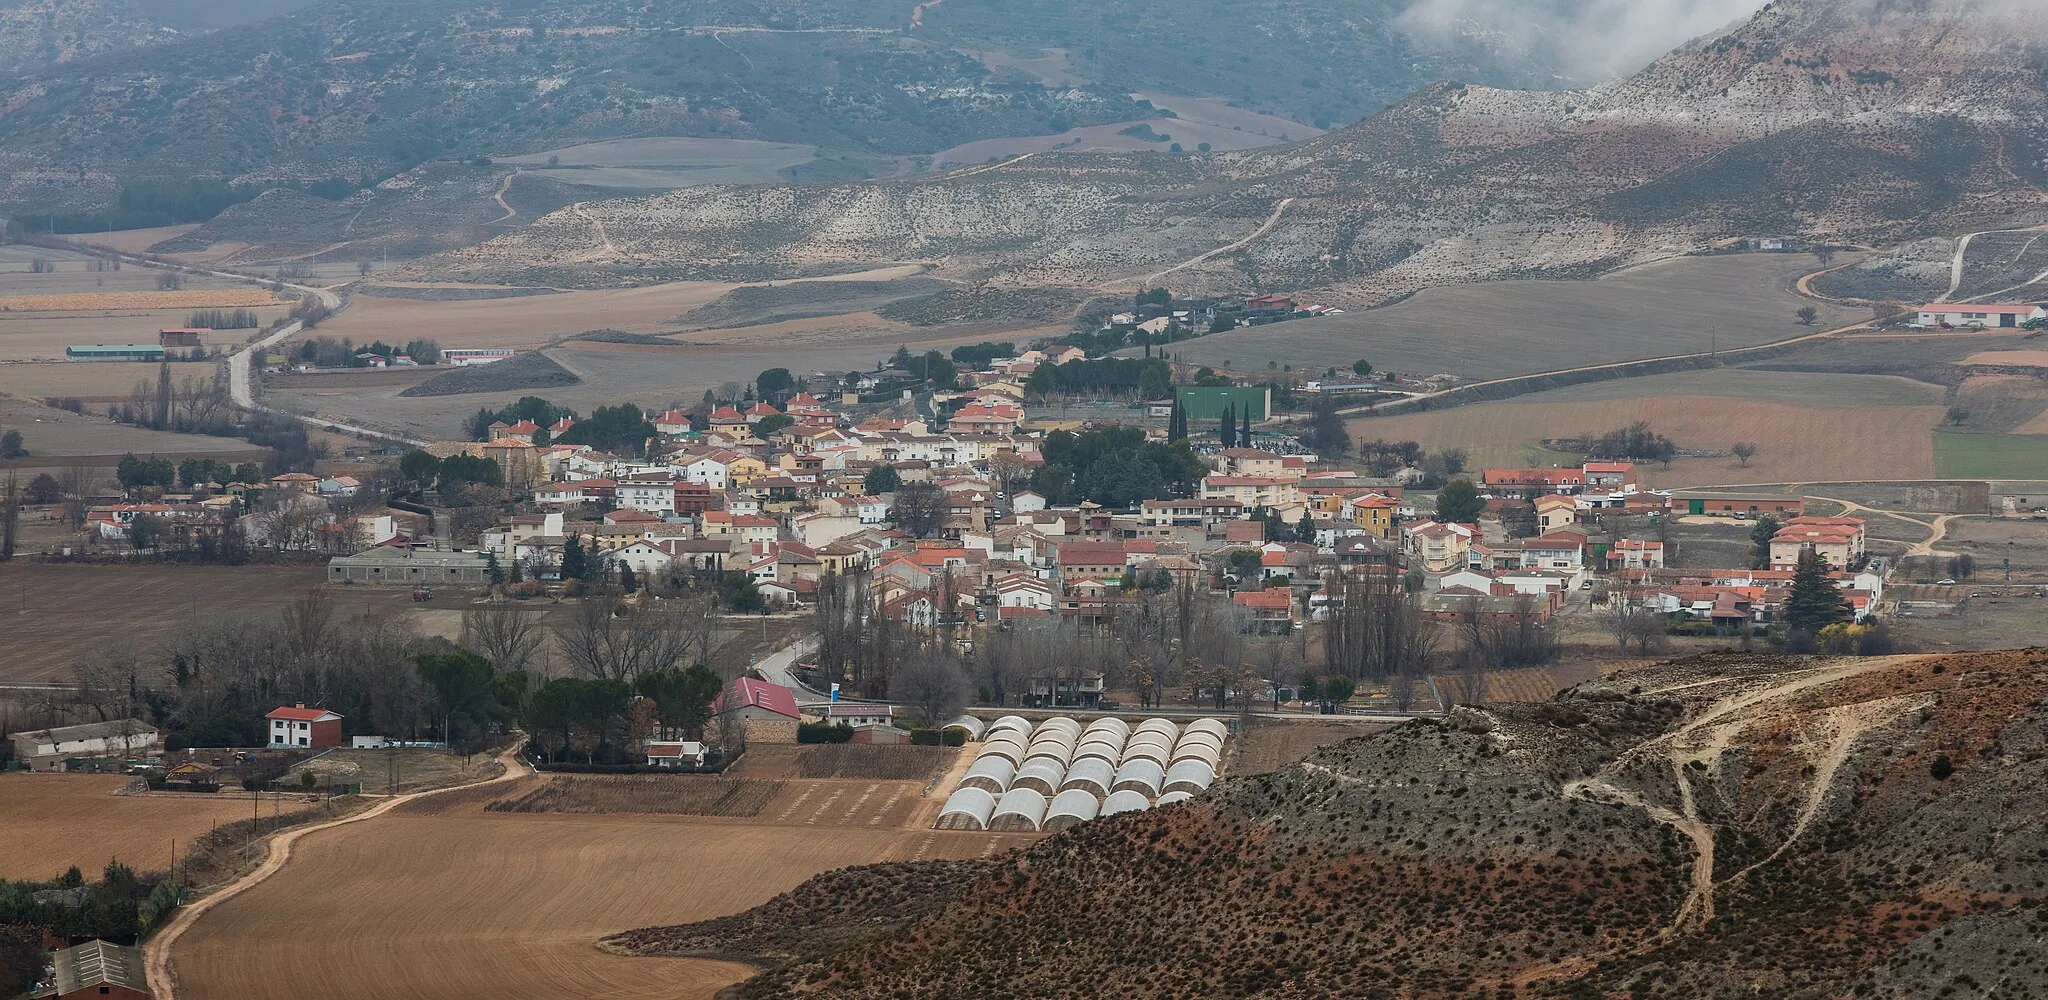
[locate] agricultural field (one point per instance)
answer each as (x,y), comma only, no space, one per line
(873,763)
(1188,134)
(56,613)
(662,164)
(1989,622)
(1808,427)
(1990,456)
(41,313)
(530,320)
(661,794)
(58,440)
(1266,747)
(399,770)
(55,821)
(1683,306)
(446,895)
(1994,542)
(652,376)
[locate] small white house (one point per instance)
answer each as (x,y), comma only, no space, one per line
(1980,314)
(859,715)
(674,754)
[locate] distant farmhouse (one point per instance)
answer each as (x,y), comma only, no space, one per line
(1980,314)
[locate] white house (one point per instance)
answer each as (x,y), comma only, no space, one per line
(1027,502)
(674,754)
(1024,592)
(859,715)
(652,497)
(707,471)
(1980,314)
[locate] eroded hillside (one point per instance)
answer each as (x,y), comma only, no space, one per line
(1849,120)
(1727,826)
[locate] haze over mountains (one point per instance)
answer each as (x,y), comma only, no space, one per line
(1848,120)
(117,90)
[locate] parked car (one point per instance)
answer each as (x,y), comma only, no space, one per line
(1944,583)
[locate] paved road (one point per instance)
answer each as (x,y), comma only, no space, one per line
(780,667)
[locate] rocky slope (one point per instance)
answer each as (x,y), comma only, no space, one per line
(1729,826)
(40,33)
(1851,120)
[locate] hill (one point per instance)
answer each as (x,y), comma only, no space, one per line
(1836,120)
(1731,826)
(366,89)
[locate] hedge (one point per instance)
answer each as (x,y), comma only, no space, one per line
(819,732)
(939,737)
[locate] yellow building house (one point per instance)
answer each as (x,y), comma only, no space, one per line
(745,469)
(1554,512)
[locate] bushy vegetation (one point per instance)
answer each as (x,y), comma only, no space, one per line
(1115,465)
(1147,378)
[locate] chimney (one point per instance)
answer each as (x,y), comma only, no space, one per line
(301,705)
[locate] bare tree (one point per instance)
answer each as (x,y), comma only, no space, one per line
(1744,450)
(1518,638)
(921,508)
(80,481)
(933,684)
(10,515)
(1630,619)
(609,638)
(506,634)
(1376,629)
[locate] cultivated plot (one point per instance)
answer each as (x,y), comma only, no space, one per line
(1684,306)
(56,614)
(659,164)
(54,821)
(462,904)
(1807,427)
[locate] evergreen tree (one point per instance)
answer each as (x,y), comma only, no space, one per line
(1815,602)
(572,558)
(518,575)
(1177,423)
(497,573)
(1244,437)
(1760,536)
(882,479)
(627,582)
(1227,430)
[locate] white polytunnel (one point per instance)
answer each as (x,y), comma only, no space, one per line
(1056,738)
(1010,749)
(1040,775)
(1092,775)
(1202,736)
(1100,749)
(1063,723)
(1015,722)
(1108,724)
(1147,751)
(990,774)
(1052,753)
(970,725)
(1123,802)
(1172,797)
(1145,776)
(1189,776)
(967,809)
(1211,726)
(1166,726)
(1197,751)
(1021,810)
(1070,808)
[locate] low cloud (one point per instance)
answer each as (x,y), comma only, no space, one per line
(1586,39)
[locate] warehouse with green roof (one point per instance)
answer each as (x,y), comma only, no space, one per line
(115,352)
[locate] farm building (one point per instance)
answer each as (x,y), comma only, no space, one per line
(857,716)
(463,357)
(300,726)
(183,336)
(674,754)
(406,567)
(1730,504)
(767,710)
(96,969)
(43,748)
(1980,314)
(114,352)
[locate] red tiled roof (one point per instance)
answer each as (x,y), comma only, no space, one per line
(300,714)
(750,693)
(1274,599)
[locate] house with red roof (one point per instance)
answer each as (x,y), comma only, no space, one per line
(726,420)
(1524,484)
(300,726)
(1267,611)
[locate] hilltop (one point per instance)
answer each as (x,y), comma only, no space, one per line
(1838,120)
(1728,826)
(115,90)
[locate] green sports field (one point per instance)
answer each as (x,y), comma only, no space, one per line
(1990,456)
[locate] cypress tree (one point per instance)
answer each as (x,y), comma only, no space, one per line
(1176,423)
(1815,602)
(1227,431)
(572,558)
(1244,438)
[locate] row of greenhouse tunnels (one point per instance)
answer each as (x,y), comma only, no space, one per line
(1057,774)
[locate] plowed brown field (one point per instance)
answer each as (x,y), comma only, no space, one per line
(439,899)
(54,821)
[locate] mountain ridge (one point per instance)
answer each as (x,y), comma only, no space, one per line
(1745,132)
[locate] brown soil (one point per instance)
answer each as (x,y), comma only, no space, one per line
(55,821)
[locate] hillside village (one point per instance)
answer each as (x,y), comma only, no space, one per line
(974,515)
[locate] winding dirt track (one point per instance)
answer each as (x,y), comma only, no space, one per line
(1701,741)
(156,953)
